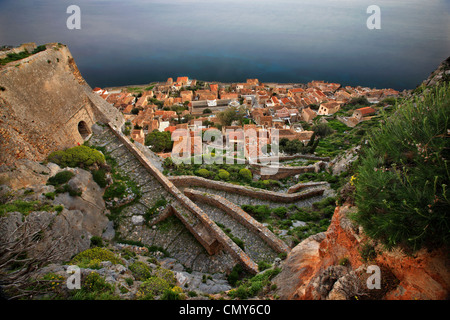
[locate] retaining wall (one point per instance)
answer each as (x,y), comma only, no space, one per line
(300,186)
(241,216)
(282,172)
(187,181)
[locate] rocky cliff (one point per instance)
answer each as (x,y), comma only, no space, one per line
(334,266)
(46,105)
(343,262)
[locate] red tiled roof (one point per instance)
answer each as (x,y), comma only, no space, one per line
(171,129)
(366,110)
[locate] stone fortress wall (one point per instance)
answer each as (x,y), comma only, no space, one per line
(45,105)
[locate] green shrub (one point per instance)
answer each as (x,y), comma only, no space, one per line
(203,173)
(167,275)
(50,195)
(60,178)
(245,174)
(99,176)
(280,212)
(10,57)
(401,184)
(152,287)
(174,293)
(235,274)
(26,207)
(116,190)
(39,49)
(97,253)
(262,265)
(140,270)
(80,156)
(96,241)
(259,212)
(265,184)
(255,285)
(94,287)
(67,188)
(223,174)
(367,252)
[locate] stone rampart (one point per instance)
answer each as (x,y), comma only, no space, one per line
(45,105)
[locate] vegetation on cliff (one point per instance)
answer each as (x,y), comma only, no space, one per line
(10,57)
(80,156)
(402,190)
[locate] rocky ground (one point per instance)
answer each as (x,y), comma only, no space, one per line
(127,282)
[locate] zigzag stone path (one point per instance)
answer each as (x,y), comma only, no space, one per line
(170,234)
(186,230)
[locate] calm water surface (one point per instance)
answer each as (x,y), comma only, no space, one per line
(137,42)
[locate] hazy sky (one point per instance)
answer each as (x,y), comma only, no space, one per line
(134,42)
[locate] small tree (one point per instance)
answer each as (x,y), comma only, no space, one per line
(321,130)
(231,114)
(159,141)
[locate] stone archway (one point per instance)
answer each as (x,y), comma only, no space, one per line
(84,130)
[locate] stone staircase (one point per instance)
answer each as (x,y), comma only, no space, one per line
(173,237)
(186,230)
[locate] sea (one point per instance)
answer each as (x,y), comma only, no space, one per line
(374,43)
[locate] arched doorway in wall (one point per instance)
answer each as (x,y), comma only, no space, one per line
(83,129)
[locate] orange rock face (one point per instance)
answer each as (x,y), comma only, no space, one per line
(423,276)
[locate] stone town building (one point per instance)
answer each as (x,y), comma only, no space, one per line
(308,114)
(360,113)
(328,108)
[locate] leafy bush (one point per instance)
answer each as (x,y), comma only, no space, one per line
(80,156)
(245,174)
(152,287)
(167,275)
(97,253)
(280,211)
(254,285)
(99,176)
(60,178)
(140,270)
(401,184)
(292,147)
(203,173)
(262,265)
(96,241)
(172,294)
(259,212)
(223,174)
(50,195)
(95,288)
(116,190)
(235,274)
